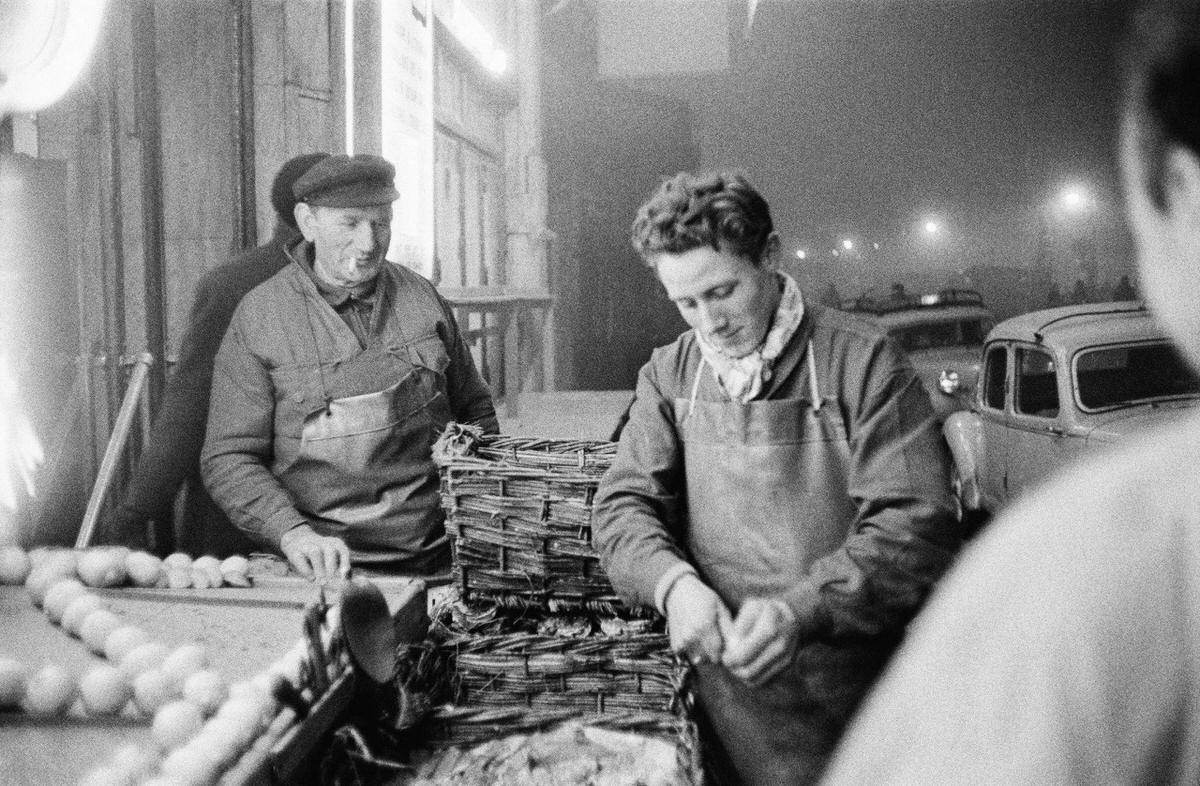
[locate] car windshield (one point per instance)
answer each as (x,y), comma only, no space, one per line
(933,335)
(1137,373)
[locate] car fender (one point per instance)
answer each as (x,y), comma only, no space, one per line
(964,436)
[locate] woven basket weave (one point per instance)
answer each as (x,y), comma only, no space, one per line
(487,672)
(519,515)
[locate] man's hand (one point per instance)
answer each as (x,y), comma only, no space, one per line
(762,640)
(315,556)
(696,618)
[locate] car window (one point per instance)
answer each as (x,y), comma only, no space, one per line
(933,335)
(1113,376)
(993,377)
(973,331)
(1036,383)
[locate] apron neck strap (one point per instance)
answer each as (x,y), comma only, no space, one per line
(695,389)
(814,389)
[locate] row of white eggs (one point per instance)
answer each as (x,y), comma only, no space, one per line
(200,723)
(114,566)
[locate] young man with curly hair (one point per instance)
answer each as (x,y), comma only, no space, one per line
(781,490)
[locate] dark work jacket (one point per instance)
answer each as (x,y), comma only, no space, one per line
(853,581)
(286,354)
(172,456)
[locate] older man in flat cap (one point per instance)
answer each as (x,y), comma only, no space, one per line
(334,379)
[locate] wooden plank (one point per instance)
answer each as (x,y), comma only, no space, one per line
(306,43)
(299,749)
(254,767)
(310,120)
(288,753)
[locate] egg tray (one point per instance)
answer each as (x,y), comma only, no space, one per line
(240,641)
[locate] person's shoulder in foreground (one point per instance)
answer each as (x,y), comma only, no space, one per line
(1065,648)
(1060,650)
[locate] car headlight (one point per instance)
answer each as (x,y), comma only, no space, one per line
(948,382)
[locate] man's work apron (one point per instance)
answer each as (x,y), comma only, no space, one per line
(364,471)
(766,497)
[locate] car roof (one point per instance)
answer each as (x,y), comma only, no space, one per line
(919,316)
(1082,325)
(874,302)
(890,311)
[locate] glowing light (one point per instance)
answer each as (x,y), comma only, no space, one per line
(20,449)
(1075,198)
(497,62)
(848,244)
(468,29)
(932,227)
(49,45)
(801,253)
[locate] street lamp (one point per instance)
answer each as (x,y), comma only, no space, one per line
(1075,199)
(1065,245)
(929,241)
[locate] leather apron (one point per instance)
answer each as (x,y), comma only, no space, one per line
(364,471)
(766,497)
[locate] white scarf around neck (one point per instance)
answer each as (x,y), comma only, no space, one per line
(743,378)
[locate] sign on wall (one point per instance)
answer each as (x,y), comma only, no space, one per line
(407,128)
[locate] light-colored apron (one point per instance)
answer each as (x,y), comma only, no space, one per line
(767,496)
(364,471)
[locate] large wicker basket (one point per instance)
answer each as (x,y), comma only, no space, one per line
(519,513)
(494,673)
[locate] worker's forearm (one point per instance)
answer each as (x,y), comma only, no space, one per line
(250,495)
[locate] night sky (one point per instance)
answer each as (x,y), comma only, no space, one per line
(860,119)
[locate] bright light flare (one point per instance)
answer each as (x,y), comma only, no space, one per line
(848,244)
(474,35)
(497,62)
(1075,198)
(21,451)
(47,45)
(932,227)
(801,254)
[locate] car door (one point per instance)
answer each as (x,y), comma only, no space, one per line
(992,405)
(1039,442)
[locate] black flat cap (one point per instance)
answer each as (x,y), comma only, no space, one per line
(348,181)
(282,197)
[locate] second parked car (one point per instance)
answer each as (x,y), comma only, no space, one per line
(941,332)
(1057,383)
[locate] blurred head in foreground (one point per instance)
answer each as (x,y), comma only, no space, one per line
(1160,160)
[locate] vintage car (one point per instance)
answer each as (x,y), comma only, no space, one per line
(942,332)
(1055,384)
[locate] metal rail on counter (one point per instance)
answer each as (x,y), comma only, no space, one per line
(134,393)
